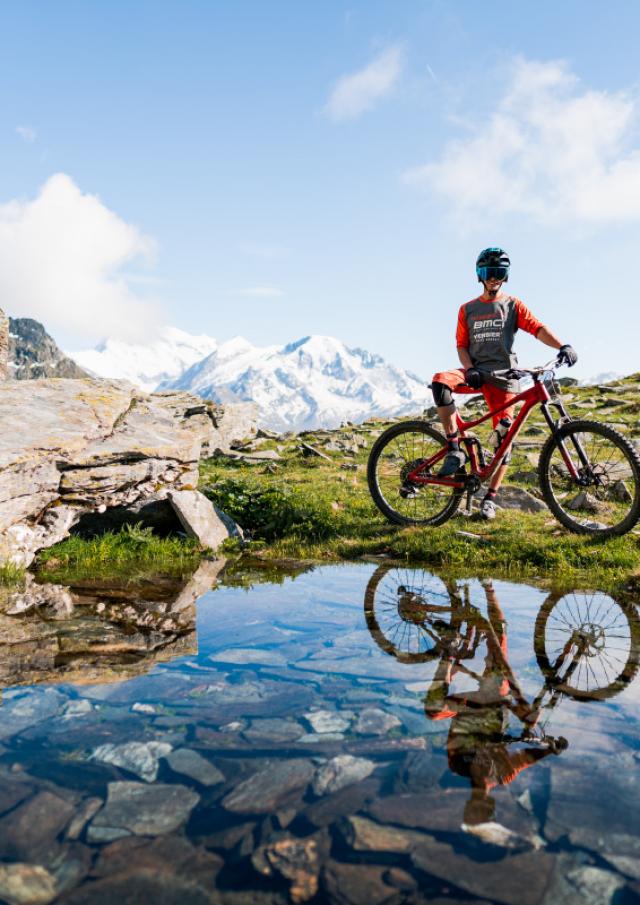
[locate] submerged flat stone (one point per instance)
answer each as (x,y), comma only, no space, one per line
(27,884)
(30,831)
(520,879)
(142,810)
(263,792)
(328,721)
(374,721)
(141,758)
(189,763)
(138,886)
(366,835)
(341,771)
(274,731)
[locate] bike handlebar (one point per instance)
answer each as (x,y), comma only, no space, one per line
(517,373)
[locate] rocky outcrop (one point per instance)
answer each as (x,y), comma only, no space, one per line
(34,354)
(75,448)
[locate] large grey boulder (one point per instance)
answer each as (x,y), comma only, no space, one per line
(201,519)
(74,447)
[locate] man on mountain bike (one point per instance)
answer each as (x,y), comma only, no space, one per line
(484,338)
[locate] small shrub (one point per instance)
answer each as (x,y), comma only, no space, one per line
(274,510)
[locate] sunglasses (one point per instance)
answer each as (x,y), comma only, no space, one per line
(493,273)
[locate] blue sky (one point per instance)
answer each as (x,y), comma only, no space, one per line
(275,169)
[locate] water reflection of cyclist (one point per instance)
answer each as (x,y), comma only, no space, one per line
(479,746)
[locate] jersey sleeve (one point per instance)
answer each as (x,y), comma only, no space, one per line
(462,330)
(526,320)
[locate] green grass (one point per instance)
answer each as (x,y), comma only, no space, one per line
(313,509)
(130,552)
(11,575)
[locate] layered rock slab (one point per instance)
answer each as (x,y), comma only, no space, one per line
(73,447)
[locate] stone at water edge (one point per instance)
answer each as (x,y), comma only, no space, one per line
(202,520)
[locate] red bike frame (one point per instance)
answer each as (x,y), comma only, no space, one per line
(535,395)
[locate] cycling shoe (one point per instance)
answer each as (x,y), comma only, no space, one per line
(453,462)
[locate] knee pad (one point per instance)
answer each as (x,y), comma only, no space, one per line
(442,395)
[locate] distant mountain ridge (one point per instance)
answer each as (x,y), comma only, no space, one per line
(315,381)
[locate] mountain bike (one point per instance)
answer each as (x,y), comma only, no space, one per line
(589,473)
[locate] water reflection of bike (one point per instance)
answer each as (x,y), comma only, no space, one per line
(586,643)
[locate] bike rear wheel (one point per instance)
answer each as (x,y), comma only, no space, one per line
(604,500)
(396,453)
(410,612)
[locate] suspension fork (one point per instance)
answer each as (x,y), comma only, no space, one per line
(584,460)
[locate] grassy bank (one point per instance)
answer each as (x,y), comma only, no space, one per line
(319,508)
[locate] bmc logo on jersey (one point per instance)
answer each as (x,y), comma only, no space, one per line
(483,323)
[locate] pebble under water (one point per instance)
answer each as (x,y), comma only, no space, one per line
(354,734)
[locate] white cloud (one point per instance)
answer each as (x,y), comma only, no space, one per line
(61,256)
(26,133)
(358,92)
(551,149)
(262,292)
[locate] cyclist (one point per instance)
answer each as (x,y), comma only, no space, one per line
(484,338)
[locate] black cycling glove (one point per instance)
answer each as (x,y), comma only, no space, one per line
(474,378)
(568,354)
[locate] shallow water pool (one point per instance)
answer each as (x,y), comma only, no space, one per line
(349,734)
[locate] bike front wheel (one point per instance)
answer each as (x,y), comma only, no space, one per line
(602,496)
(587,644)
(395,454)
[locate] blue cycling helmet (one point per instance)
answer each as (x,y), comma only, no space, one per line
(493,263)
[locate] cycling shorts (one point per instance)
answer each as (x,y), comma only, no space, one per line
(493,396)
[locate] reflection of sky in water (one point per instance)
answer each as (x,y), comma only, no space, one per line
(270,655)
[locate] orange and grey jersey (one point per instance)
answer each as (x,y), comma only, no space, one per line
(487,330)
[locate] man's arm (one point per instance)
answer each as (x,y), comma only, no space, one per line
(465,358)
(548,338)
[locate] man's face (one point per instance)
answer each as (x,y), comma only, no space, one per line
(492,285)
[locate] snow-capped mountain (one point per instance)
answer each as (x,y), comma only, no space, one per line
(147,365)
(314,382)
